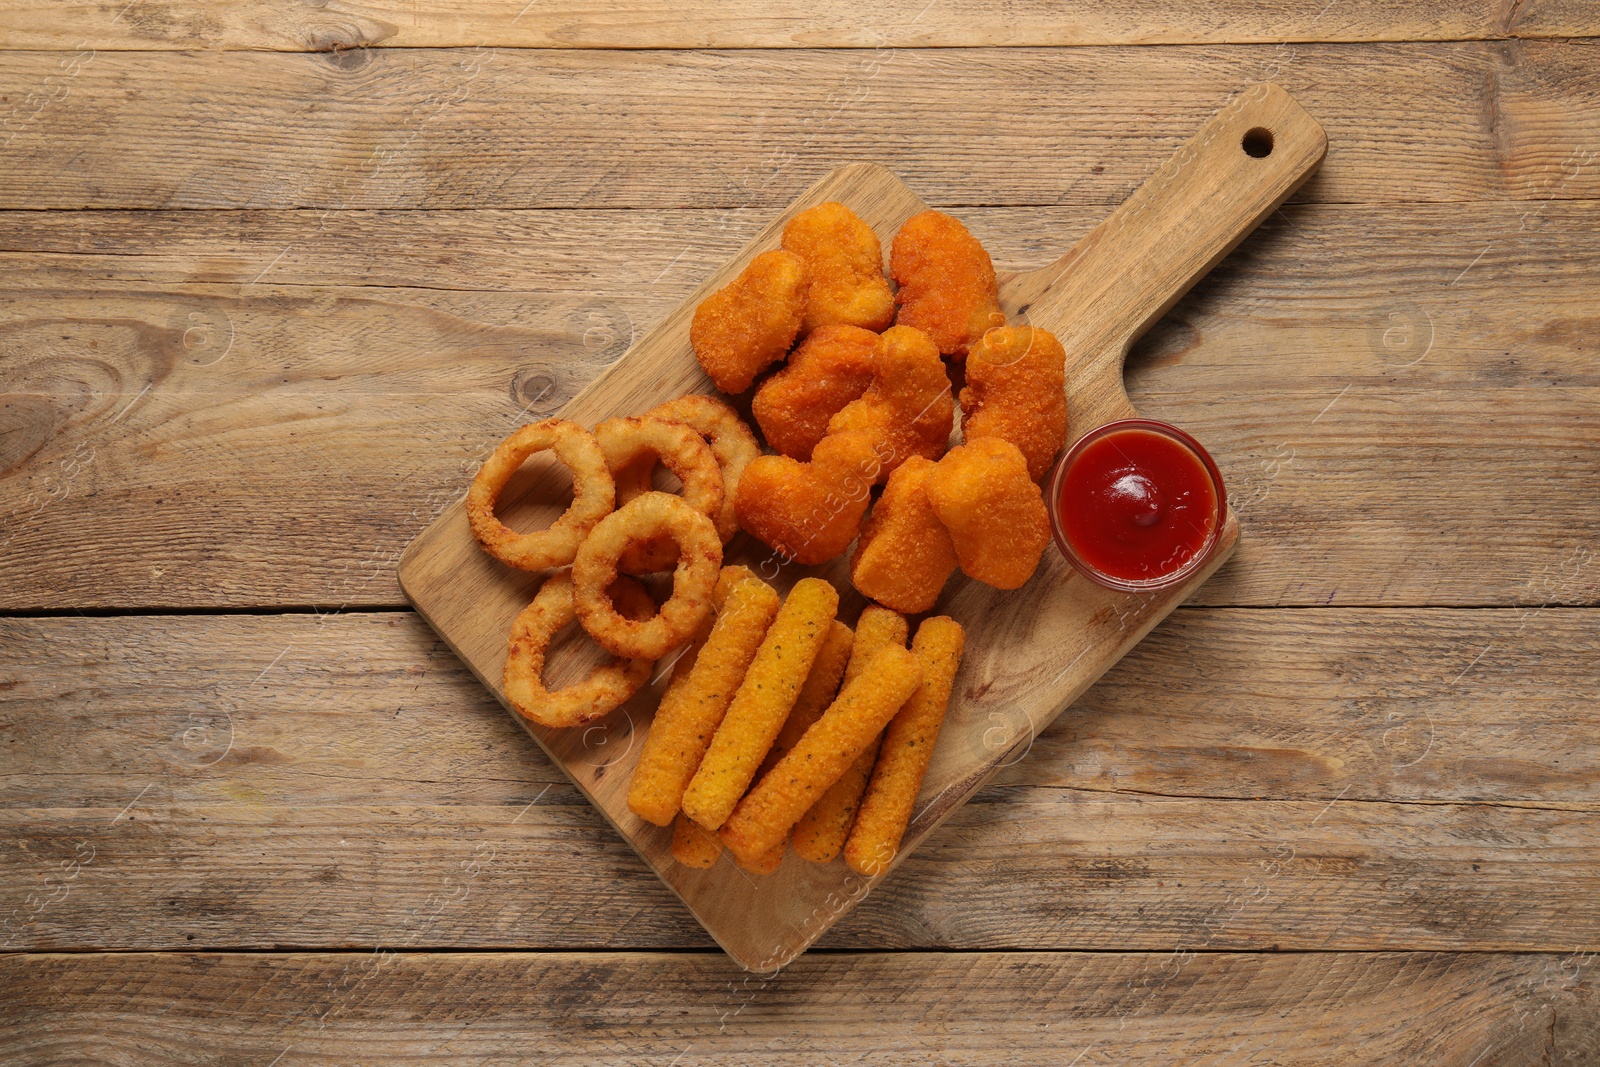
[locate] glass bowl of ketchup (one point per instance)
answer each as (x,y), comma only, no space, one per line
(1137,505)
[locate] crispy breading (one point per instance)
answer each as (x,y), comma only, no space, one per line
(1016,390)
(904,555)
(909,404)
(694,706)
(692,844)
(994,512)
(810,512)
(765,695)
(947,283)
(845,263)
(832,367)
(850,724)
(821,686)
(907,746)
(821,831)
(749,324)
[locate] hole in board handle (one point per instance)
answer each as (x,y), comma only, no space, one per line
(1257,142)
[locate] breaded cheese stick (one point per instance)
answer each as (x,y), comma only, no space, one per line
(907,746)
(849,725)
(821,686)
(762,702)
(822,831)
(693,846)
(691,710)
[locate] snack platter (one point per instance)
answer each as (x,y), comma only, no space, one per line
(1029,652)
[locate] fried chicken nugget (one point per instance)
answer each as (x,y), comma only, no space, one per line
(947,283)
(845,263)
(832,367)
(748,324)
(1017,390)
(810,512)
(909,405)
(994,512)
(904,556)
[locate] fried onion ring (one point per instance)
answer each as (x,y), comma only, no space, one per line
(732,442)
(594,496)
(595,568)
(605,688)
(632,447)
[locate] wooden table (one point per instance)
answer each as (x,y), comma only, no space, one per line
(277,276)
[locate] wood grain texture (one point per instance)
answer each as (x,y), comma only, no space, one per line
(235,24)
(485,128)
(1487,1010)
(1342,365)
(1337,779)
(1031,651)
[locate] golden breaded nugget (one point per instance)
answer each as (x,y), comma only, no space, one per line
(845,263)
(762,702)
(821,686)
(821,832)
(909,404)
(1016,390)
(994,512)
(692,845)
(748,324)
(832,367)
(907,747)
(691,711)
(859,715)
(904,555)
(810,512)
(947,283)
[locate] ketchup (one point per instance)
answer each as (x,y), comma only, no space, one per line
(1136,503)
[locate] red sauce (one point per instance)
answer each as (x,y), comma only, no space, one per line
(1137,505)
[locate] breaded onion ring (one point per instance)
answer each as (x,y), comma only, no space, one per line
(626,442)
(732,443)
(594,496)
(606,687)
(595,568)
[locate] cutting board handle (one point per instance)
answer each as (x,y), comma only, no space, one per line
(1122,277)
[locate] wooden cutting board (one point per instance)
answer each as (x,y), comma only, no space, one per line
(1030,652)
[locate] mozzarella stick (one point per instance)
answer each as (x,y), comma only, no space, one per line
(907,747)
(821,832)
(763,701)
(765,863)
(820,687)
(693,846)
(693,707)
(765,816)
(731,576)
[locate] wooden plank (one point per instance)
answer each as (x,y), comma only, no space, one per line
(232,24)
(1341,366)
(1342,779)
(520,128)
(975,1008)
